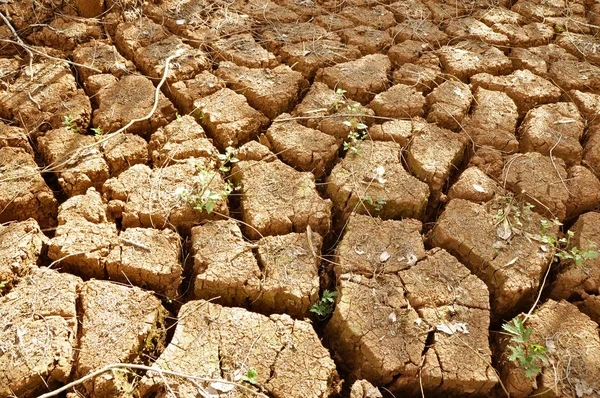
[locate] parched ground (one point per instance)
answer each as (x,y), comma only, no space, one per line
(300,198)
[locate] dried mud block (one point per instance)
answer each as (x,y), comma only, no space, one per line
(449,104)
(493,121)
(224,269)
(539,177)
(24,13)
(496,14)
(307,10)
(148,258)
(584,191)
(214,341)
(90,9)
(185,93)
(23,192)
(268,11)
(372,180)
(367,39)
(290,266)
(398,131)
(21,245)
(522,86)
(488,160)
(254,150)
(64,33)
(371,247)
(156,198)
(101,56)
(276,199)
(448,303)
(420,30)
(580,280)
(364,389)
(84,237)
(433,154)
(78,161)
(188,62)
(584,47)
(38,333)
(574,346)
(473,29)
(271,91)
(321,101)
(409,9)
(228,118)
(588,104)
(362,79)
(243,50)
(523,58)
(533,34)
(187,19)
(130,36)
(131,98)
(535,10)
(408,51)
(123,151)
(424,75)
(400,101)
(574,75)
(307,58)
(301,147)
(553,129)
(590,306)
(43,101)
(510,264)
(118,323)
(591,149)
(376,16)
(373,331)
(474,185)
(16,137)
(275,35)
(333,22)
(468,58)
(181,139)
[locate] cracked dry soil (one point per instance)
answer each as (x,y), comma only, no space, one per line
(402,153)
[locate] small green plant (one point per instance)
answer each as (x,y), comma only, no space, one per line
(324,306)
(97,131)
(530,356)
(69,123)
(177,115)
(377,204)
(203,198)
(2,286)
(340,99)
(563,248)
(358,130)
(251,376)
(227,159)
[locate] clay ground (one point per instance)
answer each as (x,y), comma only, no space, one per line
(184,183)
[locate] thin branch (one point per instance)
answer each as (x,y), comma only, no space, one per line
(19,41)
(161,372)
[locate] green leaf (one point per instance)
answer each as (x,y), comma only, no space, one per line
(590,254)
(515,353)
(361,126)
(251,376)
(526,334)
(209,206)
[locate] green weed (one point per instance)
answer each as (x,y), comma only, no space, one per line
(530,356)
(69,123)
(324,306)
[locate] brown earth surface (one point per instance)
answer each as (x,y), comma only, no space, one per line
(299,198)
